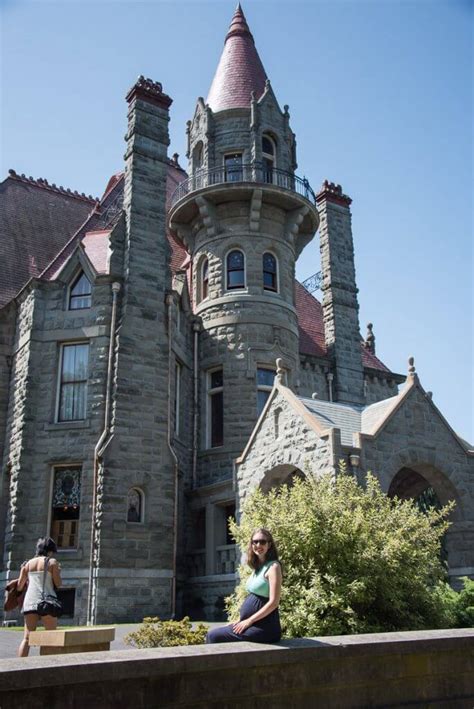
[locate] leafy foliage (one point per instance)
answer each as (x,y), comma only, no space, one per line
(353,560)
(459,606)
(167,633)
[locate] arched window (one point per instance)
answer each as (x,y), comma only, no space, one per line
(235,270)
(80,293)
(204,279)
(135,505)
(268,158)
(270,278)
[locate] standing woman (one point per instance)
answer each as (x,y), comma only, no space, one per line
(259,619)
(33,572)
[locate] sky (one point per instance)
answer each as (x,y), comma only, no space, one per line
(380,96)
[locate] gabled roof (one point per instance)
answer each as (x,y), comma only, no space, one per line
(37,219)
(240,70)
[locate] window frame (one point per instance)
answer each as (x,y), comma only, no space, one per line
(73,284)
(211,392)
(59,382)
(238,171)
(228,254)
(277,273)
(141,495)
(264,387)
(269,157)
(58,466)
(204,289)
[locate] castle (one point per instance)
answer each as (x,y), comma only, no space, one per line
(158,359)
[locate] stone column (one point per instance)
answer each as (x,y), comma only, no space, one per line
(210,539)
(340,306)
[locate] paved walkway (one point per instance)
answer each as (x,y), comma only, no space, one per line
(10,639)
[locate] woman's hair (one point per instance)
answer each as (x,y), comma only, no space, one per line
(272,553)
(44,545)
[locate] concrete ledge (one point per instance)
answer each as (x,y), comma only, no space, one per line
(431,668)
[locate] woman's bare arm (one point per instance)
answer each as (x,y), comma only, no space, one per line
(22,578)
(55,567)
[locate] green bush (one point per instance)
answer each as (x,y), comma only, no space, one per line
(460,605)
(167,633)
(354,560)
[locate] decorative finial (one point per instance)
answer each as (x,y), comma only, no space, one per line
(370,338)
(280,372)
(411,365)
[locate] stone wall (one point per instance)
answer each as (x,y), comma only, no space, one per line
(283,443)
(419,669)
(417,438)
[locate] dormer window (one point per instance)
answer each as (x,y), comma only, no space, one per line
(80,293)
(268,158)
(235,270)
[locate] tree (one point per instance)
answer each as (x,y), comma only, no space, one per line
(354,560)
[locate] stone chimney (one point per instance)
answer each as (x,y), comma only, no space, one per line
(340,306)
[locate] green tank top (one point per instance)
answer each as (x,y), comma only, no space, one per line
(257,582)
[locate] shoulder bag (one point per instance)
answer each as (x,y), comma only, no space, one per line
(49,605)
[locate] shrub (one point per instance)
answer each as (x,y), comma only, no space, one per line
(354,560)
(167,633)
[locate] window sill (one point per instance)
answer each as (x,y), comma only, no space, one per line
(72,553)
(60,425)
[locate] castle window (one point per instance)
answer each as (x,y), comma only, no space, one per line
(215,408)
(235,270)
(66,506)
(135,506)
(204,279)
(177,398)
(233,167)
(72,397)
(270,281)
(80,293)
(265,379)
(268,158)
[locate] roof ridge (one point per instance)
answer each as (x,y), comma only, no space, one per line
(44,184)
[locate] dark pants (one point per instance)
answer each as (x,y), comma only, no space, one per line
(266,630)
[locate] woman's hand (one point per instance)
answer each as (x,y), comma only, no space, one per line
(241,626)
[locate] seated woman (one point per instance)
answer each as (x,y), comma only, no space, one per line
(259,619)
(33,572)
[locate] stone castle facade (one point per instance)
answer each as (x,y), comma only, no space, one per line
(158,360)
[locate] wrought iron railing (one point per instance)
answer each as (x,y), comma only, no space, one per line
(253,172)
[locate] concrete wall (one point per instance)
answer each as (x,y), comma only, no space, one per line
(419,669)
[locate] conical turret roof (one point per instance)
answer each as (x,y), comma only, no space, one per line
(240,70)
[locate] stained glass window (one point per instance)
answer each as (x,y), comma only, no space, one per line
(66,506)
(235,270)
(269,272)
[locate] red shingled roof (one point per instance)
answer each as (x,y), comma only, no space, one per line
(36,220)
(240,70)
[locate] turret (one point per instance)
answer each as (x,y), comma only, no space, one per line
(245,217)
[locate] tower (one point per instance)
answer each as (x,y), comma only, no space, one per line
(244,216)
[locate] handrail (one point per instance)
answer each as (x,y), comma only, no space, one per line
(252,172)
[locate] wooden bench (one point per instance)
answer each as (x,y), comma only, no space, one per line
(60,642)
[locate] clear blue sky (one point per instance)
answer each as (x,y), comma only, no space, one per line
(380,97)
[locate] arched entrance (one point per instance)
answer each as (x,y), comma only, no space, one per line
(280,475)
(428,487)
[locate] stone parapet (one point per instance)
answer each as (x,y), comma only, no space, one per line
(425,668)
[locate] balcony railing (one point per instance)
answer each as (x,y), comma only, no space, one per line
(254,172)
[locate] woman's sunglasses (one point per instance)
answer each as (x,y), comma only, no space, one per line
(261,542)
